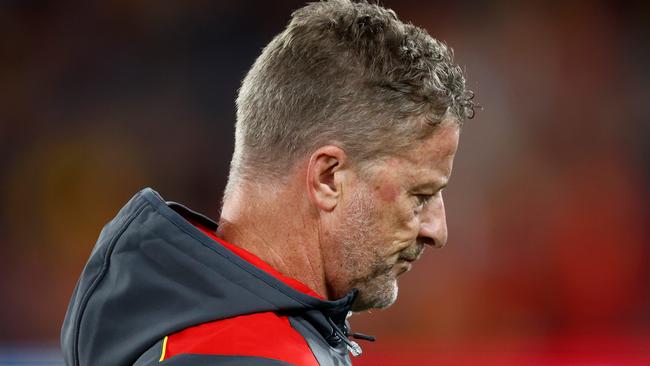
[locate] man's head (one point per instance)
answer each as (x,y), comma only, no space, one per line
(365,110)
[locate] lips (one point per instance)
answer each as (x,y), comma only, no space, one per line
(412,254)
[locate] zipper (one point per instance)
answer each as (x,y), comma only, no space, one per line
(351,345)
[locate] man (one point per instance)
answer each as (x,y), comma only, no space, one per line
(347,126)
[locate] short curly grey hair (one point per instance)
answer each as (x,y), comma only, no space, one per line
(344,73)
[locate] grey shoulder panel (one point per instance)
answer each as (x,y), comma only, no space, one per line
(325,354)
(92,275)
(151,356)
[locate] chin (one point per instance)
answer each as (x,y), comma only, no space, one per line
(377,294)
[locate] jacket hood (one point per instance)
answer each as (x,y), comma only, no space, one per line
(152,273)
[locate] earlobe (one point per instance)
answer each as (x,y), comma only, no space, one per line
(324,176)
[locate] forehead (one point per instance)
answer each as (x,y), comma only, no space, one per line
(433,155)
(441,144)
(426,166)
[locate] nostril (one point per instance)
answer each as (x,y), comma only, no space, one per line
(426,241)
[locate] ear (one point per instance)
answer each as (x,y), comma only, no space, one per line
(325,176)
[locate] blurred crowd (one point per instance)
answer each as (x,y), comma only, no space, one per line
(548,208)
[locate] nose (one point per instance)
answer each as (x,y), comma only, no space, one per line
(433,223)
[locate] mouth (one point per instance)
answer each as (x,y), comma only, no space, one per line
(411,255)
(408,256)
(403,266)
(408,259)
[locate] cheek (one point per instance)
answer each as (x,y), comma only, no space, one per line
(396,214)
(387,193)
(409,219)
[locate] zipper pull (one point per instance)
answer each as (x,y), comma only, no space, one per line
(364,337)
(354,348)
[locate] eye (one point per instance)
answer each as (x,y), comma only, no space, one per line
(422,199)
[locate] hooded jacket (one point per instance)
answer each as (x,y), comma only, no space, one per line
(154,274)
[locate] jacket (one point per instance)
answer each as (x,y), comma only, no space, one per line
(155,277)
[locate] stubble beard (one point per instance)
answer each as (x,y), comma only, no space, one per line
(363,265)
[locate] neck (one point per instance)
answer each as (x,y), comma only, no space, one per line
(252,218)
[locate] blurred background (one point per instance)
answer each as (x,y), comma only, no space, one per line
(548,211)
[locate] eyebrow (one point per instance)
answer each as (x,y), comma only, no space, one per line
(438,185)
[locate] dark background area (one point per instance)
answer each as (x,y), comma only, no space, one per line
(548,252)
